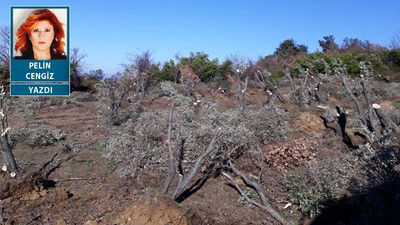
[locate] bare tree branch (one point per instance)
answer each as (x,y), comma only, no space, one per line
(289,77)
(369,119)
(342,78)
(187,178)
(300,89)
(269,85)
(171,162)
(265,204)
(241,94)
(320,98)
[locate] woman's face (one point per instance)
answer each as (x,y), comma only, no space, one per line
(42,35)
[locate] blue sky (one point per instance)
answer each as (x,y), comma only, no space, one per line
(108,30)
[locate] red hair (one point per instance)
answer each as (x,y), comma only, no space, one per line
(23,45)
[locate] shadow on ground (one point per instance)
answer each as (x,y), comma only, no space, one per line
(377,205)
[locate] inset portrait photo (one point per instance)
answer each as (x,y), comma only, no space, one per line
(40,33)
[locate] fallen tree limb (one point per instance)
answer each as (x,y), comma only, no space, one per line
(265,204)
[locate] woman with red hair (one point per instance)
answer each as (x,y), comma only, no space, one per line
(40,37)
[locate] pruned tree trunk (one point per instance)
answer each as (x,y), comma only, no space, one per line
(111,98)
(342,78)
(171,162)
(269,97)
(342,121)
(297,89)
(241,91)
(142,84)
(279,95)
(300,95)
(330,121)
(386,122)
(185,179)
(9,163)
(311,98)
(289,77)
(140,87)
(320,99)
(300,91)
(369,119)
(269,85)
(273,88)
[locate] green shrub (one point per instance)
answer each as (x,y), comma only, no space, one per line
(167,72)
(392,59)
(315,61)
(328,179)
(201,65)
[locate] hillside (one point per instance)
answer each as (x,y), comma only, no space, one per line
(81,163)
